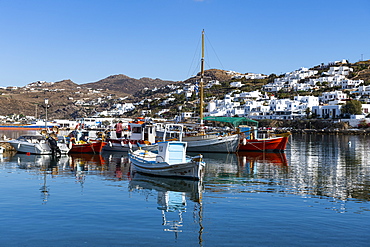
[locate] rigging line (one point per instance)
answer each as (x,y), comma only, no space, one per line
(194,57)
(222,66)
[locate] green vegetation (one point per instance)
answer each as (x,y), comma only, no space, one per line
(352,107)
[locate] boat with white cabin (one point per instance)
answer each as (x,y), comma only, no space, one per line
(170,161)
(40,144)
(139,134)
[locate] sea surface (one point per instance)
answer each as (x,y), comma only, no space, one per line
(317,193)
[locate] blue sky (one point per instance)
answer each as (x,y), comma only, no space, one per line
(89,40)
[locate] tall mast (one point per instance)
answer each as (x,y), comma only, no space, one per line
(201,82)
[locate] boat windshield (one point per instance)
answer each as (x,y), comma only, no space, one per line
(31,137)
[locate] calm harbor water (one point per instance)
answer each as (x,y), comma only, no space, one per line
(315,194)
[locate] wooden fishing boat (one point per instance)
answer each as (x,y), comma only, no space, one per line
(95,146)
(170,161)
(269,144)
(83,141)
(141,134)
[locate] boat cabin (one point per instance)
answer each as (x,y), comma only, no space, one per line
(141,130)
(172,152)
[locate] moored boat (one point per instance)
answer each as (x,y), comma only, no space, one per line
(83,141)
(209,142)
(95,146)
(271,143)
(40,144)
(140,134)
(212,143)
(170,161)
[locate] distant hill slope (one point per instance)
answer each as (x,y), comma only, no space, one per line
(65,84)
(212,74)
(124,84)
(362,71)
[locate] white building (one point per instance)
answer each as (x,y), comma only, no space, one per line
(342,70)
(330,96)
(236,84)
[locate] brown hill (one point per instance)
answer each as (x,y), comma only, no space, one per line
(212,74)
(65,84)
(362,71)
(124,84)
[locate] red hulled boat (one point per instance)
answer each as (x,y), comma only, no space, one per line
(271,144)
(83,141)
(87,147)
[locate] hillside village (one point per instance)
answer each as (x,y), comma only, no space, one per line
(263,104)
(319,92)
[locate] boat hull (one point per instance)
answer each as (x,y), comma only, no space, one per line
(90,147)
(191,170)
(42,147)
(117,145)
(212,143)
(277,144)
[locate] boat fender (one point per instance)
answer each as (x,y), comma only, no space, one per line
(122,144)
(110,144)
(244,141)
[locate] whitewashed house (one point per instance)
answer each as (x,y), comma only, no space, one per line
(327,111)
(236,84)
(212,83)
(330,96)
(350,84)
(341,70)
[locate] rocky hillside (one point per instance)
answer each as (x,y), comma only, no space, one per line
(70,100)
(212,74)
(127,85)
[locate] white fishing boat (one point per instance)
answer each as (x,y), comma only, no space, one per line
(215,141)
(209,142)
(140,134)
(170,161)
(40,144)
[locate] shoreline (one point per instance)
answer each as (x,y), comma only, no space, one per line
(332,131)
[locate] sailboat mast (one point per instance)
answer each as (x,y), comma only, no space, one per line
(201,82)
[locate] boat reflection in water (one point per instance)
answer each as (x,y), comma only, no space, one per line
(49,162)
(80,163)
(76,164)
(250,160)
(117,162)
(172,196)
(243,164)
(45,165)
